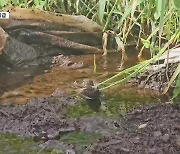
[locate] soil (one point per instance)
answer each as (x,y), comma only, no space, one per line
(41,118)
(153,129)
(45,119)
(147,130)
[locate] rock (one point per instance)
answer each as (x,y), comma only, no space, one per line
(33,36)
(70,152)
(142,126)
(152,151)
(135,140)
(178,141)
(171,56)
(66,63)
(157,133)
(125,150)
(165,137)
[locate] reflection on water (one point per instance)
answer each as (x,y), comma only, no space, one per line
(11,78)
(94,104)
(24,83)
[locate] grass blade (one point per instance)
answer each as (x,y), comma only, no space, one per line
(101,10)
(174,76)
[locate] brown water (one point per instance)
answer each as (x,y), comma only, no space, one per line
(11,78)
(20,85)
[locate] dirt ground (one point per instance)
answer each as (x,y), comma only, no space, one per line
(151,129)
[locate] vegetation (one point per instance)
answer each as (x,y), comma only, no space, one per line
(154,24)
(80,138)
(119,104)
(11,143)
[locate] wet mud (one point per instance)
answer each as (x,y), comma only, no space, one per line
(46,119)
(150,129)
(146,129)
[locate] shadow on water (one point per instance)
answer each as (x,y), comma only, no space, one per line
(94,104)
(114,103)
(13,77)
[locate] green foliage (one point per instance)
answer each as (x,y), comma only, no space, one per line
(80,138)
(122,16)
(146,43)
(101,9)
(176,4)
(132,71)
(3,3)
(176,91)
(10,143)
(174,76)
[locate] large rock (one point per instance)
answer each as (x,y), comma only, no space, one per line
(32,36)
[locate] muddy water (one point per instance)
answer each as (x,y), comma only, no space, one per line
(13,77)
(20,85)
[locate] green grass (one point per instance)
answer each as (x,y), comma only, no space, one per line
(120,103)
(12,144)
(80,138)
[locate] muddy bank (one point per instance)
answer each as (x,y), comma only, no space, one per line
(46,119)
(147,129)
(40,117)
(150,129)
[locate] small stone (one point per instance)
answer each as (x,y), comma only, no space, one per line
(170,102)
(147,119)
(125,149)
(137,111)
(177,128)
(70,151)
(165,137)
(157,133)
(135,140)
(178,141)
(27,75)
(142,126)
(152,150)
